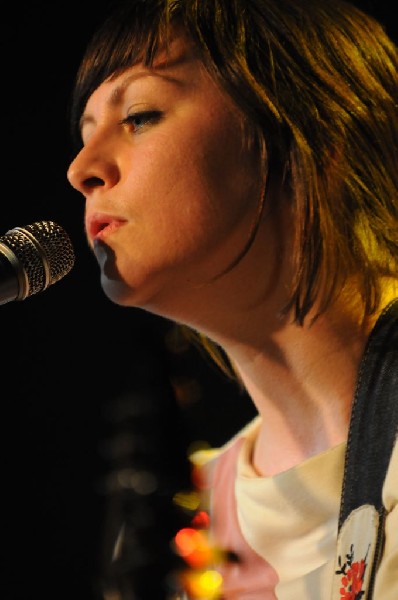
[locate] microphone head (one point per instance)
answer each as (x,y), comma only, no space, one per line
(41,253)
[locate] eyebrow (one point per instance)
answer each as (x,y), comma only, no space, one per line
(116,96)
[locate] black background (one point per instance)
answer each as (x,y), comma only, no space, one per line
(72,361)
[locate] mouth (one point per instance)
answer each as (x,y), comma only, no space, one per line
(99,226)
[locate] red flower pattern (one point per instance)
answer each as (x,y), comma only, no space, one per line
(352,577)
(352,581)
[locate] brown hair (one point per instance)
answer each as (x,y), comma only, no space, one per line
(318,84)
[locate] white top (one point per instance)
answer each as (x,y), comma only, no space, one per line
(289,520)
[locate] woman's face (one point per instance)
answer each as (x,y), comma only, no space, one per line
(171,189)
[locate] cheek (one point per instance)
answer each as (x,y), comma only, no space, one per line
(191,190)
(227,167)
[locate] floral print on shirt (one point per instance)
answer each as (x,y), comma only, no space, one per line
(352,576)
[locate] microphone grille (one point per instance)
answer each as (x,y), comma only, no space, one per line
(44,251)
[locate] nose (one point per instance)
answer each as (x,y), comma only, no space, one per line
(90,171)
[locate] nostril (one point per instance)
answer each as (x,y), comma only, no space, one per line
(93,182)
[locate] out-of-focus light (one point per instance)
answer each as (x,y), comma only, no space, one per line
(187,500)
(192,545)
(203,585)
(201,520)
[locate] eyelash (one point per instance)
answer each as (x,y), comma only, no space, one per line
(146,117)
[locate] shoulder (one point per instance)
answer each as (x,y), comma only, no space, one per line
(386,584)
(205,461)
(390,487)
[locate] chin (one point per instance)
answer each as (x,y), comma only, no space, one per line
(116,291)
(119,292)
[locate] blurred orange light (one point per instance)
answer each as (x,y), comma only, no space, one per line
(201,520)
(193,546)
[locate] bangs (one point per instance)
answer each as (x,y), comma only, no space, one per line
(131,35)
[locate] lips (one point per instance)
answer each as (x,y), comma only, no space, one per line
(99,226)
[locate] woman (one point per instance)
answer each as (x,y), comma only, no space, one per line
(239,163)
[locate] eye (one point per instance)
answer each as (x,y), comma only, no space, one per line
(138,120)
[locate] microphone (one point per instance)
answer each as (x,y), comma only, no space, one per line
(32,258)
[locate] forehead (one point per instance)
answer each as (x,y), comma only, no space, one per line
(176,63)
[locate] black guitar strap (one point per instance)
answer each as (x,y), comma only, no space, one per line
(373,426)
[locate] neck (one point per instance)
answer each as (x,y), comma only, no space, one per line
(302,380)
